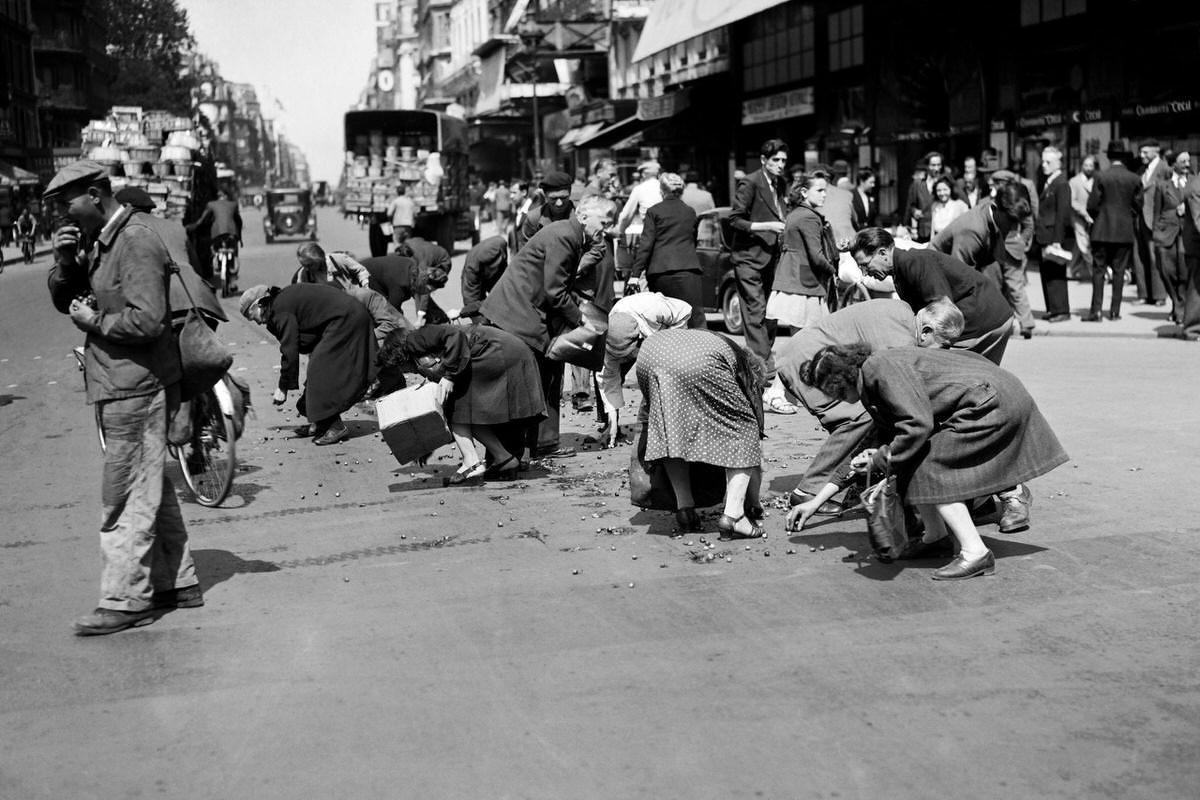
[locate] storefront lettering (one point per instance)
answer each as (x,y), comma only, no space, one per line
(1169,107)
(796,103)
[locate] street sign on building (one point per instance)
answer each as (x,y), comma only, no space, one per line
(796,103)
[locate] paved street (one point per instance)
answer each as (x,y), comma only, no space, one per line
(370,634)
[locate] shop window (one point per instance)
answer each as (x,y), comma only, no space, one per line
(846,38)
(779,46)
(1034,12)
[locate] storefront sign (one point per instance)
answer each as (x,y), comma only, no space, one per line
(652,108)
(1168,107)
(1088,115)
(1041,120)
(603,112)
(999,125)
(796,103)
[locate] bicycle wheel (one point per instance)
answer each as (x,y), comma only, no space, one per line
(209,460)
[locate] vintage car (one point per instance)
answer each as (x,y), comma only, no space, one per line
(289,212)
(713,239)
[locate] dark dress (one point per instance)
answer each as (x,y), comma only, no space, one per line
(495,375)
(700,408)
(336,332)
(961,427)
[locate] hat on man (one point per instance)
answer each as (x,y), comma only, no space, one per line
(556,182)
(81,173)
(1149,143)
(135,197)
(252,296)
(671,182)
(1003,175)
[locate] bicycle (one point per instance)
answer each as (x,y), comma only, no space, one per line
(209,459)
(27,247)
(225,267)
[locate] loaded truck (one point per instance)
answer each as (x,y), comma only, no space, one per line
(426,152)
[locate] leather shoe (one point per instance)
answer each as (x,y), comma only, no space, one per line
(1114,316)
(1026,333)
(110,620)
(1058,318)
(1014,514)
(830,508)
(960,568)
(557,452)
(918,548)
(1091,317)
(334,435)
(187,597)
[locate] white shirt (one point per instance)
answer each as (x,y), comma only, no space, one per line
(652,312)
(401,210)
(641,197)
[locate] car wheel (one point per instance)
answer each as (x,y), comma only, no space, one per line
(731,310)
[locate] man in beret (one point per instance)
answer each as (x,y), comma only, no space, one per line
(118,295)
(555,206)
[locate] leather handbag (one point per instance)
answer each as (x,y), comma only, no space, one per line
(886,527)
(650,488)
(202,356)
(582,346)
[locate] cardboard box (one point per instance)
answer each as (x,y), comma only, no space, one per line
(412,422)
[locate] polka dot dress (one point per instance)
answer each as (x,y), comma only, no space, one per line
(697,411)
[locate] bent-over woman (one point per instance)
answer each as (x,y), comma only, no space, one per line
(336,332)
(960,427)
(489,379)
(703,396)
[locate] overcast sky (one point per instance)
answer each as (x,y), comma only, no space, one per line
(313,56)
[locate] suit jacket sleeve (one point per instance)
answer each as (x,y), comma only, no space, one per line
(561,264)
(287,330)
(899,393)
(645,249)
(472,285)
(743,202)
(1064,225)
(1095,197)
(66,282)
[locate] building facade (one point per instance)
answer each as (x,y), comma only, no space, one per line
(19,130)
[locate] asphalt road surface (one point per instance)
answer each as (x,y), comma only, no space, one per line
(370,634)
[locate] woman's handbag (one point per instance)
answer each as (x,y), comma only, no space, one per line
(582,346)
(650,488)
(885,517)
(202,356)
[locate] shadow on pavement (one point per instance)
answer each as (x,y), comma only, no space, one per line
(876,570)
(7,399)
(217,566)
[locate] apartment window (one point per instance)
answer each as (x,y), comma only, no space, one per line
(1034,12)
(779,46)
(846,38)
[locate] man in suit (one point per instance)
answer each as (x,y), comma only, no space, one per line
(220,220)
(970,178)
(666,251)
(864,207)
(482,268)
(1147,273)
(1115,205)
(918,208)
(757,217)
(1081,187)
(1169,211)
(1054,229)
(1189,322)
(556,205)
(533,301)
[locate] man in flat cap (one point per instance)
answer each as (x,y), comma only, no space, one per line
(118,295)
(555,206)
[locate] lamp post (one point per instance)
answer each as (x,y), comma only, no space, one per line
(531,35)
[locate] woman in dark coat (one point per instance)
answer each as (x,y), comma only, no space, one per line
(666,251)
(960,428)
(487,379)
(335,331)
(703,396)
(808,260)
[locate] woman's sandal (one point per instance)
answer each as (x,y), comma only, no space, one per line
(688,520)
(474,471)
(727,526)
(505,470)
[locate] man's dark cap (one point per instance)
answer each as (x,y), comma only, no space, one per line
(556,181)
(78,174)
(135,197)
(1149,143)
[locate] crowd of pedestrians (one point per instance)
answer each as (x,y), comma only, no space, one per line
(903,372)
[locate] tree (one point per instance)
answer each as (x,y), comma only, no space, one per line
(148,40)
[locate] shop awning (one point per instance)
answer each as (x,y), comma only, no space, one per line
(572,137)
(11,174)
(674,21)
(613,134)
